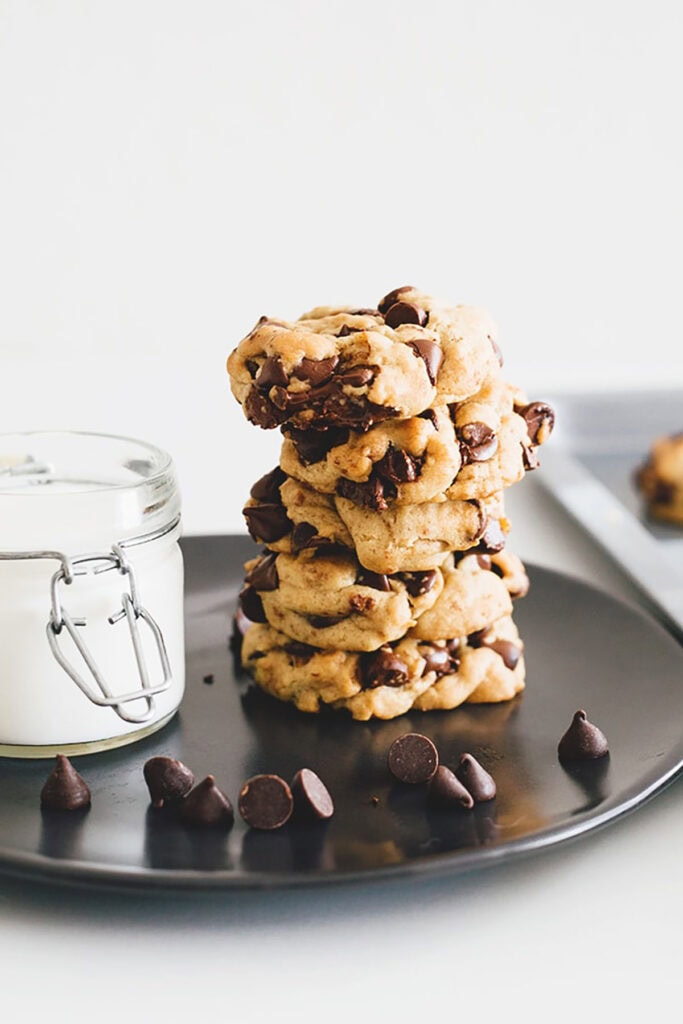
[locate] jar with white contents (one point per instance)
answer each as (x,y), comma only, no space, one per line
(91,593)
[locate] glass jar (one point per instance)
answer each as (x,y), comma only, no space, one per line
(91,592)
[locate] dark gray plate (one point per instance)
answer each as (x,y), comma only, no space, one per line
(583,648)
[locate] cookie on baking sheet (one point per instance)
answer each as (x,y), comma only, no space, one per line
(486,667)
(660,479)
(346,368)
(323,597)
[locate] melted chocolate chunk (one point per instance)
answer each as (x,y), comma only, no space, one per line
(316,371)
(492,538)
(266,802)
(478,442)
(439,659)
(418,583)
(261,411)
(64,789)
(509,652)
(357,376)
(431,353)
(267,522)
(446,790)
(392,297)
(299,651)
(253,367)
(267,488)
(368,495)
(405,313)
(376,580)
(313,445)
(311,796)
(168,780)
(207,806)
(412,758)
(345,330)
(530,459)
(582,741)
(480,785)
(430,415)
(304,536)
(325,621)
(540,420)
(397,466)
(477,638)
(264,574)
(272,374)
(382,668)
(251,604)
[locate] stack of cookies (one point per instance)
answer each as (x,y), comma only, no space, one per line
(385,583)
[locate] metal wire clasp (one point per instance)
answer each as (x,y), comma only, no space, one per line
(131,610)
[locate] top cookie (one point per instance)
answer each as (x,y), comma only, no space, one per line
(660,479)
(352,368)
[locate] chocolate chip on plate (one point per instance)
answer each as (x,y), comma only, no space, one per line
(582,741)
(446,790)
(265,802)
(207,805)
(479,784)
(311,796)
(64,789)
(412,758)
(167,780)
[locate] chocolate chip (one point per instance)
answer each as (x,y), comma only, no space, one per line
(357,376)
(361,604)
(383,668)
(540,420)
(438,659)
(496,348)
(315,371)
(252,367)
(398,467)
(266,802)
(582,741)
(299,651)
(272,374)
(430,415)
(478,442)
(261,411)
(446,790)
(311,796)
(431,353)
(325,621)
(267,522)
(167,780)
(302,535)
(509,652)
(251,604)
(367,495)
(392,297)
(476,780)
(492,539)
(376,580)
(209,679)
(208,806)
(412,758)
(313,445)
(264,574)
(663,492)
(477,638)
(267,488)
(405,313)
(64,789)
(530,459)
(344,331)
(418,583)
(484,562)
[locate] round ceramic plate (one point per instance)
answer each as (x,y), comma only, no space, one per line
(583,649)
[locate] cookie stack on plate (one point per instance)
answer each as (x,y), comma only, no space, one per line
(385,583)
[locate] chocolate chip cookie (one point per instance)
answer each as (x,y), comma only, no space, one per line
(660,479)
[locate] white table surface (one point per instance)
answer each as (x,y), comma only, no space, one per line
(586,929)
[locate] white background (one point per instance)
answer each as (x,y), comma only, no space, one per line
(170,171)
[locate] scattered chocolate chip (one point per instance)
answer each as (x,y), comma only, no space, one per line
(267,488)
(540,420)
(412,758)
(383,668)
(476,780)
(266,802)
(311,796)
(376,580)
(251,604)
(64,789)
(267,522)
(431,353)
(209,679)
(440,660)
(272,374)
(509,652)
(478,442)
(398,467)
(405,313)
(367,495)
(418,583)
(582,741)
(446,790)
(207,805)
(374,800)
(325,621)
(392,297)
(361,603)
(264,575)
(357,376)
(299,651)
(496,348)
(167,779)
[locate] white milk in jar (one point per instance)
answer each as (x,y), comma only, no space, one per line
(91,592)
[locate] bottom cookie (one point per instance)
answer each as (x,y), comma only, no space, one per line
(660,479)
(486,667)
